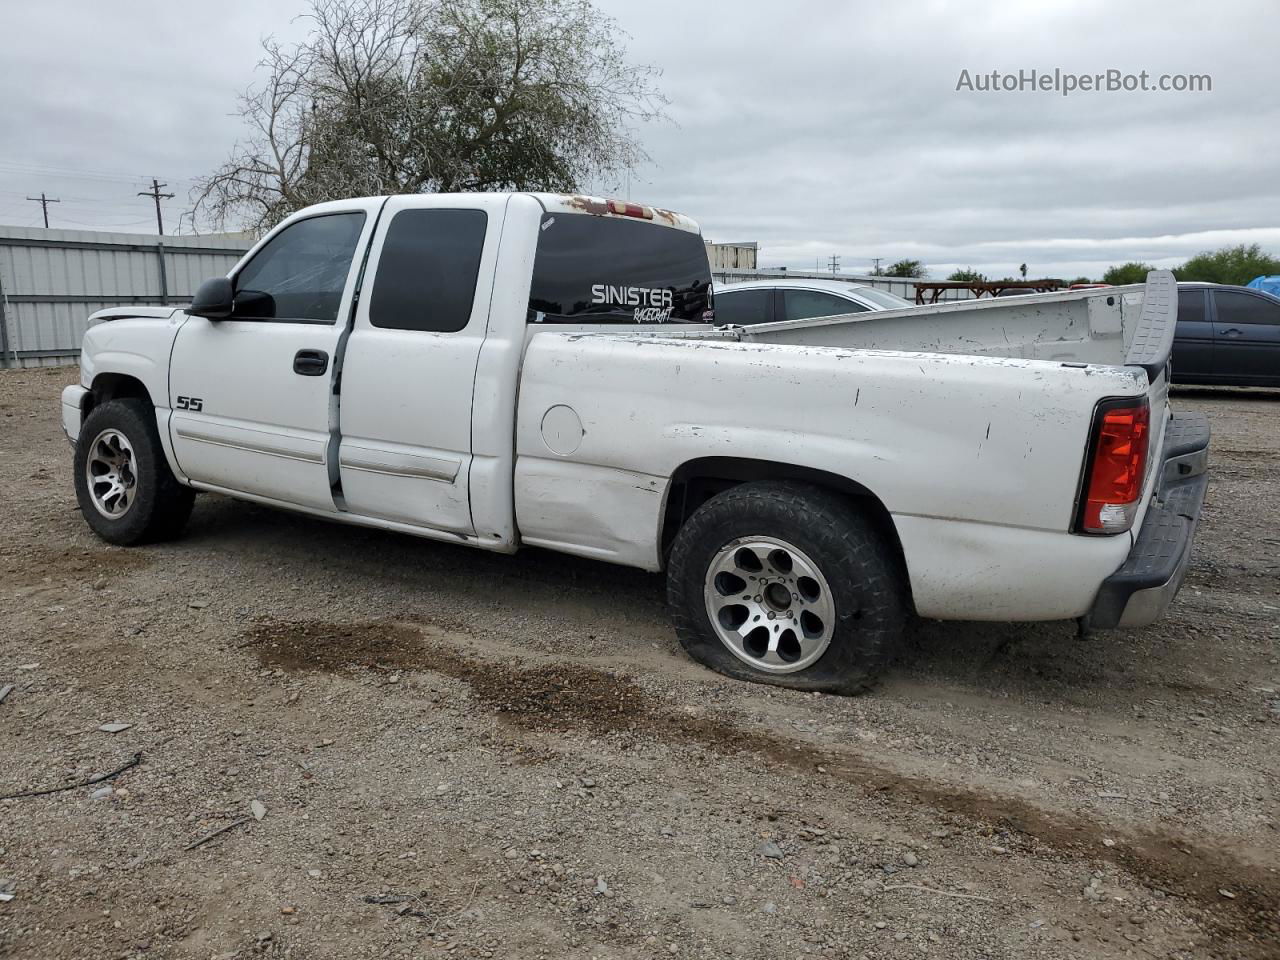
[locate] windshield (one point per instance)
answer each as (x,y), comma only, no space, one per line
(592,269)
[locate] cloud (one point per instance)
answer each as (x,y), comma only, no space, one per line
(812,128)
(817,131)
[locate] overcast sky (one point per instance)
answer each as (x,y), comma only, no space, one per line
(813,128)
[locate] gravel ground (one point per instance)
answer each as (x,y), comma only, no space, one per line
(417,750)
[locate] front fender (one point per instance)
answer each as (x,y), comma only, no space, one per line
(136,347)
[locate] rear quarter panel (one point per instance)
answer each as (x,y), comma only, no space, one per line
(976,441)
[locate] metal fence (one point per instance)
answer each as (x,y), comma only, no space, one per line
(52,280)
(903,288)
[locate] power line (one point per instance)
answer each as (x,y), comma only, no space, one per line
(105,224)
(76,174)
(44,206)
(19,193)
(155,194)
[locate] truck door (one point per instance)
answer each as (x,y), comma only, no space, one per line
(252,396)
(409,369)
(1246,337)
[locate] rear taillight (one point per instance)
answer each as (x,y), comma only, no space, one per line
(1116,466)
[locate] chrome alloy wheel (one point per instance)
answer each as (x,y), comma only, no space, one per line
(769,604)
(111,474)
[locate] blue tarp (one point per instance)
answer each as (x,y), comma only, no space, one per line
(1269,285)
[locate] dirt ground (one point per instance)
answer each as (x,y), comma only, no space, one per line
(417,750)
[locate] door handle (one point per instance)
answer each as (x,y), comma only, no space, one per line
(310,363)
(1233,332)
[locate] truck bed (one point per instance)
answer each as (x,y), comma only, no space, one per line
(969,422)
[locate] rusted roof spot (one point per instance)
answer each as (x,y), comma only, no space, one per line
(588,204)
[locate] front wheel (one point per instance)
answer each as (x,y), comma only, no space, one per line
(126,491)
(787,583)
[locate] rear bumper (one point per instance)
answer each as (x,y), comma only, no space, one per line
(1142,588)
(72,407)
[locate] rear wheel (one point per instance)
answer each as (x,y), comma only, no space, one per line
(787,583)
(126,491)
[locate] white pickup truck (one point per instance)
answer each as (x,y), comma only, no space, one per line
(507,370)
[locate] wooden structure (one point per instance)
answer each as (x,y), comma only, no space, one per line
(931,292)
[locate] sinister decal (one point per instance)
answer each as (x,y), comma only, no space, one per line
(652,304)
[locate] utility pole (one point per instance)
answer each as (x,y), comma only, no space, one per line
(155,194)
(44,205)
(875,269)
(834,262)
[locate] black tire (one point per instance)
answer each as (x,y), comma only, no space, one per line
(160,505)
(867,583)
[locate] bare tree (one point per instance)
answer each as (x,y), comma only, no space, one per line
(406,96)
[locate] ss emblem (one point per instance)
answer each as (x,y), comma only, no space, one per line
(194,404)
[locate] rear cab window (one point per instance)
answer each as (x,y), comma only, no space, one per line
(593,269)
(883,298)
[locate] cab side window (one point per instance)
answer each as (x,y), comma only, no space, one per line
(1190,306)
(300,274)
(1245,308)
(743,307)
(806,304)
(427,270)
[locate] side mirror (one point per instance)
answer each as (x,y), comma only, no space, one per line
(214,300)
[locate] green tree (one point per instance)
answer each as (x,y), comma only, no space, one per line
(1080,280)
(967,275)
(907,268)
(1131,272)
(410,96)
(1238,265)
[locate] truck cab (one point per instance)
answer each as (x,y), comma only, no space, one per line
(363,358)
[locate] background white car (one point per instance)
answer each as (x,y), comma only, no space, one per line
(764,301)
